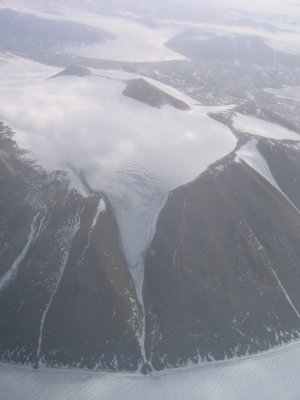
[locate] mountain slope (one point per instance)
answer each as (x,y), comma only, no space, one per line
(222,273)
(151,232)
(67,297)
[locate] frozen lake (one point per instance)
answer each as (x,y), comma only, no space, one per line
(270,375)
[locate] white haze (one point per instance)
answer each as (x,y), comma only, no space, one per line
(289,8)
(136,41)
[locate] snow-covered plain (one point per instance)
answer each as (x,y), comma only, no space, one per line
(259,127)
(272,375)
(133,42)
(286,92)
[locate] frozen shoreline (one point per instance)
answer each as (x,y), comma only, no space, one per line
(271,374)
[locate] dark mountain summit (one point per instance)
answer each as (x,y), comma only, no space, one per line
(27,34)
(244,49)
(74,70)
(141,90)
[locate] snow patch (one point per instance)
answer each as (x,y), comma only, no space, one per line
(261,250)
(101,208)
(37,226)
(286,92)
(252,157)
(259,127)
(72,230)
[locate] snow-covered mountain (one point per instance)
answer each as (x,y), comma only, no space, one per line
(150,189)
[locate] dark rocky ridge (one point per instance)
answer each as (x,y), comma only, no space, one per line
(25,34)
(244,49)
(74,70)
(141,90)
(210,290)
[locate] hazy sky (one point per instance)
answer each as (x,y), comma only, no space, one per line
(269,6)
(290,8)
(279,7)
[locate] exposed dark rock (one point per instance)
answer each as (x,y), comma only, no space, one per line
(25,34)
(93,315)
(141,90)
(66,297)
(74,70)
(210,288)
(244,49)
